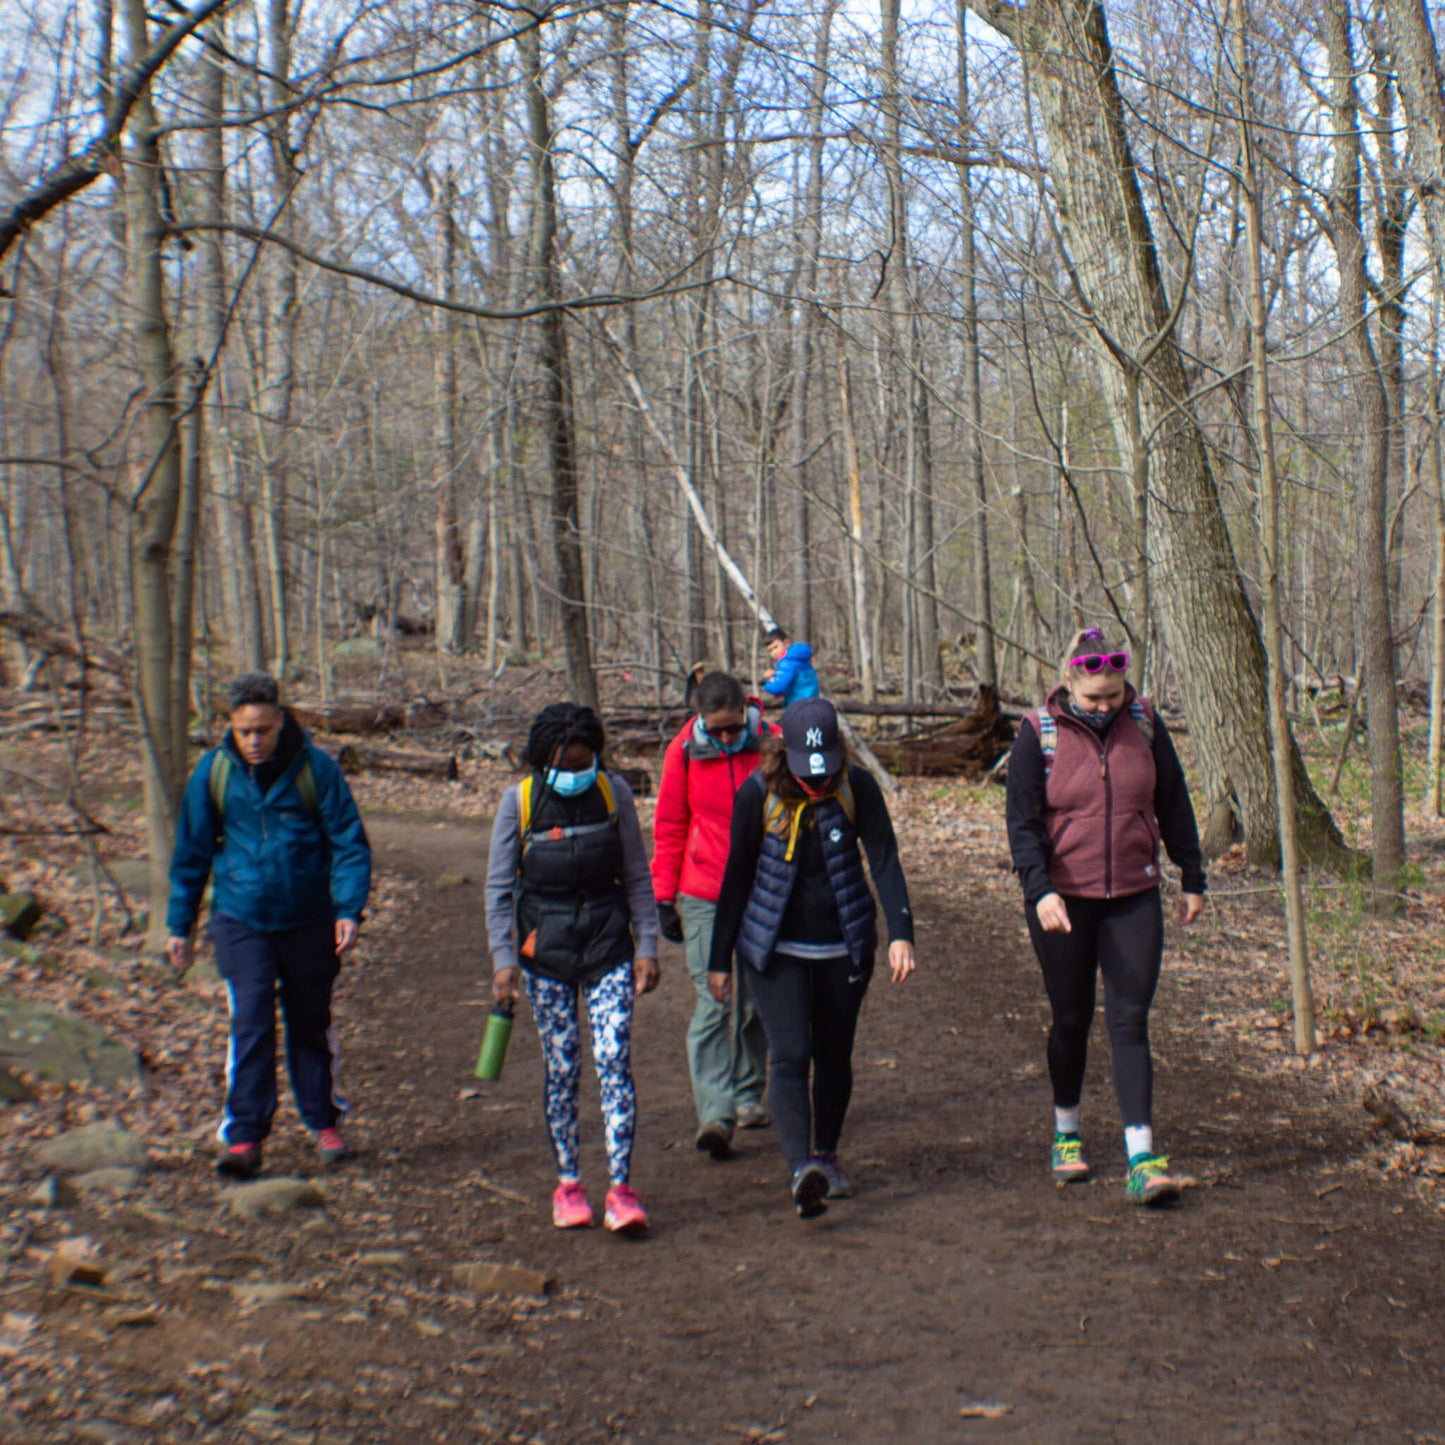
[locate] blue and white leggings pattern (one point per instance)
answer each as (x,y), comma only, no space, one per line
(609,1017)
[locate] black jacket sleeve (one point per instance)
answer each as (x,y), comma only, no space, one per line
(1028,838)
(745,843)
(875,832)
(1174,811)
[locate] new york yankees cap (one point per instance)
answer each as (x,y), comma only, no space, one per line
(810,735)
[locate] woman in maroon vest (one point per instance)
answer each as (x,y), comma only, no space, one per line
(1094,786)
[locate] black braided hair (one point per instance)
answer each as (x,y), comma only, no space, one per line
(558,726)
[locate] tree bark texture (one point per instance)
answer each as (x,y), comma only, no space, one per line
(557,382)
(1213,639)
(1387,793)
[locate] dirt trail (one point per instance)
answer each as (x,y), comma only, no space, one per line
(1289,1299)
(1285,1300)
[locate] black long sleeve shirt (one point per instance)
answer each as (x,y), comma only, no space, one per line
(1028,835)
(812,913)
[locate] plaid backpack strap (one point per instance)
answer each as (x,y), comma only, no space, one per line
(1143,714)
(1048,731)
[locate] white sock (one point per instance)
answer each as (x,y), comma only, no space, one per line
(1066,1121)
(1138,1139)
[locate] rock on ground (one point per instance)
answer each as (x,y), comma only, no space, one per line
(274,1196)
(96,1146)
(61,1048)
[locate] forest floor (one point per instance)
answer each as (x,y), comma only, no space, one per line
(1295,1294)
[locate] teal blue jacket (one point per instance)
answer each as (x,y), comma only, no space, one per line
(277,864)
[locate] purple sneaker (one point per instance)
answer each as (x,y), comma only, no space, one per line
(839,1185)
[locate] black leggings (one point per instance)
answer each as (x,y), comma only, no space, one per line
(810,1011)
(1124,939)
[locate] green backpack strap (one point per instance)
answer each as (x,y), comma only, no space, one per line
(222,766)
(218,781)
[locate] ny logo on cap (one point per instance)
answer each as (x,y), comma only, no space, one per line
(814,738)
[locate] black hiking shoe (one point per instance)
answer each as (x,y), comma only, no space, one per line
(810,1190)
(240,1161)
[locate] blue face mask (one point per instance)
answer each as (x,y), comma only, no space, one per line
(571,785)
(1099,721)
(731,747)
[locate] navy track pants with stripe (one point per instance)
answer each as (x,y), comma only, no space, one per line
(299,968)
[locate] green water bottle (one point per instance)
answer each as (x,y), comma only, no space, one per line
(494,1041)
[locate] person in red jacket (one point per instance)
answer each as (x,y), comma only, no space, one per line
(705,765)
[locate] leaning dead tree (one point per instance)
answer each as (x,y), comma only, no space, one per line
(1214,642)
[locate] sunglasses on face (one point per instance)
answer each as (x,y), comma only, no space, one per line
(727,734)
(1098,661)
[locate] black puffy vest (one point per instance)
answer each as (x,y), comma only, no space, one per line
(777,873)
(573,920)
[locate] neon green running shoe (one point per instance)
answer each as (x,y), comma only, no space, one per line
(1069,1164)
(1150,1182)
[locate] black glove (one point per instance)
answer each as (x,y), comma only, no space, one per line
(669,922)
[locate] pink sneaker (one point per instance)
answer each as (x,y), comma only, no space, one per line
(625,1214)
(570,1206)
(331,1146)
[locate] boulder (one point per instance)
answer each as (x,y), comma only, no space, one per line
(96,1146)
(487,1279)
(388,1261)
(133,875)
(61,1048)
(274,1196)
(114,1180)
(19,912)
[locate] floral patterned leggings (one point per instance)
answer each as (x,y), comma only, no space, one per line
(609,1016)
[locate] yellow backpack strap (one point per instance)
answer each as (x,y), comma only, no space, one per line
(524,804)
(845,797)
(780,817)
(605,784)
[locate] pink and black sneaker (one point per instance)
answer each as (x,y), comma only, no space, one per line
(625,1214)
(331,1146)
(571,1209)
(240,1161)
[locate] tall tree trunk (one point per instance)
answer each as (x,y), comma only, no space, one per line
(557,380)
(1434,443)
(805,324)
(1387,794)
(1270,553)
(451,560)
(985,664)
(1065,46)
(232,516)
(157,503)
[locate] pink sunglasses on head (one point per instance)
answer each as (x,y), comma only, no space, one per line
(1098,661)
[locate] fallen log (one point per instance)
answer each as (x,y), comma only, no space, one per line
(347,718)
(969,748)
(355,758)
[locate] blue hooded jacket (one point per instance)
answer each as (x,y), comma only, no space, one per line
(278,866)
(794,678)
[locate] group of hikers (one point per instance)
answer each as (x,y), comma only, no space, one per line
(760,836)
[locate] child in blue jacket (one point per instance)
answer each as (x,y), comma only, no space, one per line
(793,678)
(271,819)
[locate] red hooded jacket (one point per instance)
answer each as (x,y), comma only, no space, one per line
(693,822)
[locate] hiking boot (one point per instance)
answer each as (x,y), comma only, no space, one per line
(810,1190)
(624,1213)
(753,1116)
(839,1185)
(331,1146)
(240,1161)
(1069,1165)
(1149,1180)
(715,1138)
(571,1209)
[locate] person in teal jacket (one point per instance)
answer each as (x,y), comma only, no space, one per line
(793,677)
(268,816)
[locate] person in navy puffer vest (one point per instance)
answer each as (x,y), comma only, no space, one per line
(795,906)
(271,819)
(1094,787)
